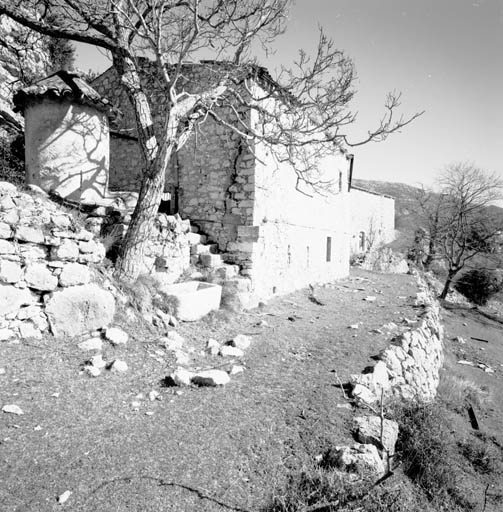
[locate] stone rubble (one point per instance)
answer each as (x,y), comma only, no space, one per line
(44,269)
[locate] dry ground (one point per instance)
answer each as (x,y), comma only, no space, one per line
(197,449)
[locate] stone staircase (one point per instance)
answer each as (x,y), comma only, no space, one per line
(207,259)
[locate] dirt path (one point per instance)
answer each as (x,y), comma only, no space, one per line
(197,449)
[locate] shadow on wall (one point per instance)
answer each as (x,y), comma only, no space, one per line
(67,148)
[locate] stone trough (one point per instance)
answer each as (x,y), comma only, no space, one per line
(194,299)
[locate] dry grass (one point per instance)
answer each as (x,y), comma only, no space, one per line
(457,392)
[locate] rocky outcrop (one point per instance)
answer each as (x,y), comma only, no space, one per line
(45,269)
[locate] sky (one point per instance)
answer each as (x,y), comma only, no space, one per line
(444,56)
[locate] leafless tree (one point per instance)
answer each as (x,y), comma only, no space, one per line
(457,220)
(302,116)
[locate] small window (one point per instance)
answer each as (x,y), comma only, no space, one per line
(329,248)
(361,241)
(307,256)
(340,185)
(289,255)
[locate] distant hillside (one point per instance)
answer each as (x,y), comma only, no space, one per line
(406,216)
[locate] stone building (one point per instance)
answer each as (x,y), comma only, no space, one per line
(246,203)
(66,137)
(372,220)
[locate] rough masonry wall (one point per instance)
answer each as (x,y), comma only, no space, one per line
(45,274)
(67,149)
(295,235)
(212,172)
(372,220)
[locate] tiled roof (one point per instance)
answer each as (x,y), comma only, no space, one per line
(63,85)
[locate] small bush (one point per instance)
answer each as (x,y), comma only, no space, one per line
(456,393)
(484,458)
(479,286)
(425,451)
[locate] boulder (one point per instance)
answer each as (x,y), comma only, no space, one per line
(79,310)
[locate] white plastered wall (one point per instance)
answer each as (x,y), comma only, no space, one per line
(67,149)
(372,220)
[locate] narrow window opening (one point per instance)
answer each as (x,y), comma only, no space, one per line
(340,181)
(329,248)
(307,256)
(289,255)
(361,241)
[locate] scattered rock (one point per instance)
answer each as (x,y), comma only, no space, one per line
(92,371)
(182,377)
(241,341)
(91,344)
(213,347)
(228,351)
(236,368)
(12,409)
(173,341)
(97,361)
(154,395)
(63,498)
(211,378)
(370,298)
(354,326)
(182,357)
(119,366)
(116,336)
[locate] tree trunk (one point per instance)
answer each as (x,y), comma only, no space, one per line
(129,264)
(131,254)
(447,284)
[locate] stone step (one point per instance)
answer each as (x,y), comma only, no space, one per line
(203,249)
(210,260)
(224,272)
(196,238)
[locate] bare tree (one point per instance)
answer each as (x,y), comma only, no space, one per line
(303,115)
(457,220)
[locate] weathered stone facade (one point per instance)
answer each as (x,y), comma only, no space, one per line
(243,201)
(372,220)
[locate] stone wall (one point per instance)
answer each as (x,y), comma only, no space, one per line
(372,220)
(45,269)
(211,174)
(410,367)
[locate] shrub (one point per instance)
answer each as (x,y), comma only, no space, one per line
(426,453)
(479,286)
(12,158)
